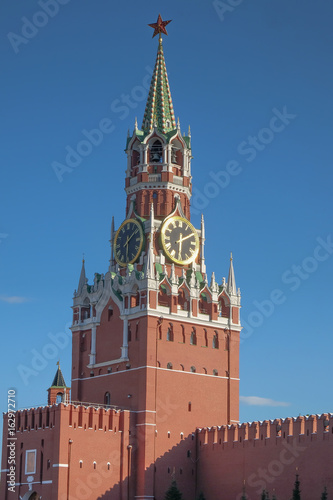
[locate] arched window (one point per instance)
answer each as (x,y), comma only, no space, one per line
(170,333)
(227,342)
(183,300)
(215,372)
(176,153)
(183,333)
(224,308)
(193,370)
(107,399)
(83,342)
(206,337)
(110,313)
(59,397)
(85,309)
(216,340)
(169,366)
(135,158)
(155,196)
(193,340)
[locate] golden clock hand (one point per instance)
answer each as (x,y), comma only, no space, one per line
(180,241)
(183,239)
(130,238)
(126,245)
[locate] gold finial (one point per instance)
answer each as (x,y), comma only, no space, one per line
(83,261)
(231,257)
(58,363)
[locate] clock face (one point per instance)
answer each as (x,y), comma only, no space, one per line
(128,242)
(180,240)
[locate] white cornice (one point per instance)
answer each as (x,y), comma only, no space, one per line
(140,186)
(155,368)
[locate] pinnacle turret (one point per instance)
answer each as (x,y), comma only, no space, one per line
(83,279)
(231,287)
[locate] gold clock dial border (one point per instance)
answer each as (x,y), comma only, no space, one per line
(164,228)
(124,264)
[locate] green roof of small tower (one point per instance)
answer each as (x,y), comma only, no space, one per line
(58,380)
(159,108)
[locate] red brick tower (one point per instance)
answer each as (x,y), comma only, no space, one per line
(152,335)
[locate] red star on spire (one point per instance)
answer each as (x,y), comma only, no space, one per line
(159,26)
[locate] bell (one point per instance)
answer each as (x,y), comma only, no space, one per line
(156,157)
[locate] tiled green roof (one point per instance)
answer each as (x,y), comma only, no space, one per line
(159,107)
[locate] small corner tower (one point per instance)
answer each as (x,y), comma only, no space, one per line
(58,392)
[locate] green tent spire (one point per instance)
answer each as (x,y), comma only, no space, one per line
(58,380)
(159,107)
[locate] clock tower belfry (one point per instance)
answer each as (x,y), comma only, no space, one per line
(154,335)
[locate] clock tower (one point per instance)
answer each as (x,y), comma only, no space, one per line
(154,335)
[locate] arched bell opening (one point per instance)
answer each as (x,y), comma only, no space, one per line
(156,152)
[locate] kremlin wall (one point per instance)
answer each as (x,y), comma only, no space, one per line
(86,451)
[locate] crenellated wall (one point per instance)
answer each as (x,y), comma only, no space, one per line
(77,449)
(267,455)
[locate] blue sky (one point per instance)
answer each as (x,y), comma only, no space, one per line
(254,81)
